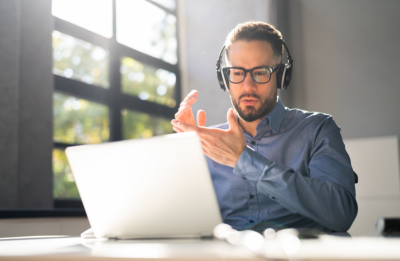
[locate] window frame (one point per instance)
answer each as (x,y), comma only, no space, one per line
(113,97)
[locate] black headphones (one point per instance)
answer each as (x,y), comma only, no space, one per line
(284,74)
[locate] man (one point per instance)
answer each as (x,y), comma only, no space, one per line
(272,166)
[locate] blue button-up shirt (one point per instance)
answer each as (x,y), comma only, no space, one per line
(295,172)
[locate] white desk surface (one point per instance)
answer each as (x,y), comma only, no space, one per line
(74,248)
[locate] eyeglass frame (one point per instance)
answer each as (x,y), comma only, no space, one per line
(271,69)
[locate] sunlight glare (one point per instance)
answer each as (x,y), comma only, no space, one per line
(143,95)
(68,72)
(253,240)
(161,90)
(147,28)
(93,15)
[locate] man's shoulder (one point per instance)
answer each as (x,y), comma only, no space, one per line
(300,114)
(311,119)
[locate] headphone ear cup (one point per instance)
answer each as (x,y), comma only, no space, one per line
(226,80)
(220,80)
(288,77)
(279,76)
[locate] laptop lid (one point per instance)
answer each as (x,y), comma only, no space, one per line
(146,188)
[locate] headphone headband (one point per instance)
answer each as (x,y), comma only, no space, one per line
(284,74)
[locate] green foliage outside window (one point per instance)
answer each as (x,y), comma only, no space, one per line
(80,60)
(63,184)
(147,83)
(142,125)
(79,121)
(74,121)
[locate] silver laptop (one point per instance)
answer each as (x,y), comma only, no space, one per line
(147,188)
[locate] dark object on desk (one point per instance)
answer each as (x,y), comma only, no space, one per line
(309,233)
(313,233)
(41,213)
(388,225)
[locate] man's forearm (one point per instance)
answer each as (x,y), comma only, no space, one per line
(323,201)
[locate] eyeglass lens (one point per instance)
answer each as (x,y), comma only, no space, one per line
(260,75)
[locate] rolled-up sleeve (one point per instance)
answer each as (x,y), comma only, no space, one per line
(326,195)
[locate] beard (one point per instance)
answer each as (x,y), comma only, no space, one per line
(250,113)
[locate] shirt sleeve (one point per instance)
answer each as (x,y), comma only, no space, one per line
(326,195)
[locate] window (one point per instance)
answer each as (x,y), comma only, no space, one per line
(79,121)
(142,125)
(80,60)
(115,67)
(147,82)
(157,31)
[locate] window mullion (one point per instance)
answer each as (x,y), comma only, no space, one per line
(169,11)
(147,59)
(115,85)
(81,90)
(134,103)
(80,33)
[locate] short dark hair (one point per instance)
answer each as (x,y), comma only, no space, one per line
(256,31)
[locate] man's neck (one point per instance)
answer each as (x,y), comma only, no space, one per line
(250,127)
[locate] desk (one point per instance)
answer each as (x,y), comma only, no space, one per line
(73,248)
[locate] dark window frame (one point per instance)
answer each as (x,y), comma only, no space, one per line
(113,97)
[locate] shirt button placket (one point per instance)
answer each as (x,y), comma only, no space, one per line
(252,200)
(253,145)
(253,206)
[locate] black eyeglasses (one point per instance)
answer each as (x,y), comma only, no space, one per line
(259,74)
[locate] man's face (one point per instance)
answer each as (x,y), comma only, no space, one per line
(252,100)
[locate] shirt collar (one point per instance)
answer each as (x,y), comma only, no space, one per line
(276,115)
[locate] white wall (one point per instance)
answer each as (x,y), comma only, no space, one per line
(346,64)
(378,192)
(203,27)
(346,57)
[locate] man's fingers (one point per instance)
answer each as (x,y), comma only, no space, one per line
(182,111)
(183,107)
(189,101)
(192,93)
(177,129)
(179,115)
(184,126)
(233,121)
(185,115)
(201,118)
(205,146)
(190,98)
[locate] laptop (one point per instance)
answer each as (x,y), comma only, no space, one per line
(156,187)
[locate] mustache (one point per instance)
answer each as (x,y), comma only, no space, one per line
(249,95)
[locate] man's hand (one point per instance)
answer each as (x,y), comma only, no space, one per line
(185,113)
(222,146)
